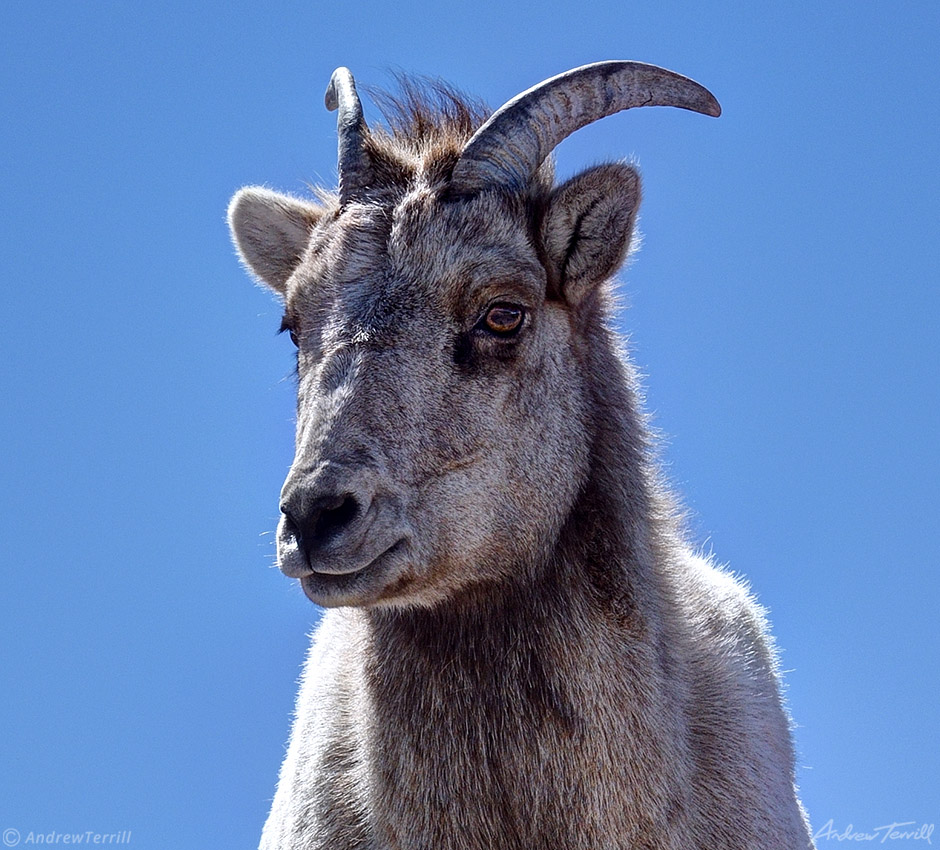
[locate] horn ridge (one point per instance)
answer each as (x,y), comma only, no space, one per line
(353,163)
(509,147)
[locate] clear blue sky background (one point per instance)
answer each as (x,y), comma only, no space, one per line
(785,307)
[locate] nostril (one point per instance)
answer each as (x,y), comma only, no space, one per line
(335,517)
(291,524)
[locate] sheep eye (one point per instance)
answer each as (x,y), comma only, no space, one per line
(290,331)
(504,319)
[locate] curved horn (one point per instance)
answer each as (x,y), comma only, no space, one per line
(508,149)
(353,163)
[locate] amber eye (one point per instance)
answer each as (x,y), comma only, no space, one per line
(503,319)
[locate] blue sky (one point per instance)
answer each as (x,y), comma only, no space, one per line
(784,307)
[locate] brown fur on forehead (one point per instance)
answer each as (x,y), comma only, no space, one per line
(427,122)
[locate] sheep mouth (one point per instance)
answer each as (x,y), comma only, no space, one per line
(358,587)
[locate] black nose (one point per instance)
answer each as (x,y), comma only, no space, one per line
(324,516)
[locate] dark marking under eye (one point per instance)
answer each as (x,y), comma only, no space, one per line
(481,352)
(463,349)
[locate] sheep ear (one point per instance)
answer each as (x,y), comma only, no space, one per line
(588,226)
(271,232)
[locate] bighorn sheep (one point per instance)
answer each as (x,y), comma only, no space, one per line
(522,649)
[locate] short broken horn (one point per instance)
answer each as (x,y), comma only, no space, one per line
(353,162)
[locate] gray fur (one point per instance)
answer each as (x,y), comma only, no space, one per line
(522,650)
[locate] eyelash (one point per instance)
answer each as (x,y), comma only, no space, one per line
(286,328)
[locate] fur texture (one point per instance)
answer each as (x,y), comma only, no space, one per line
(522,650)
